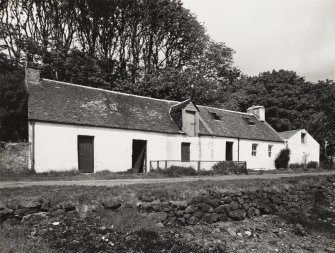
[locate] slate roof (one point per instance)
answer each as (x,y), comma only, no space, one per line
(288,134)
(54,101)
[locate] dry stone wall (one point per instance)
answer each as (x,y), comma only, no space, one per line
(215,206)
(207,207)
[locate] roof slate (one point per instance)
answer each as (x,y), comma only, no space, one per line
(288,134)
(60,102)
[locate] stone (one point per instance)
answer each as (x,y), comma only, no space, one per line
(207,218)
(146,198)
(233,205)
(231,232)
(179,205)
(68,206)
(222,217)
(179,213)
(34,218)
(162,216)
(196,199)
(214,217)
(237,214)
(170,214)
(247,233)
(170,220)
(156,207)
(214,202)
(193,220)
(204,207)
(198,214)
(6,211)
(111,204)
(220,209)
(30,204)
(181,220)
(58,212)
(191,208)
(330,249)
(46,205)
(227,206)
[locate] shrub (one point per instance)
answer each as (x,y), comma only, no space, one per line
(312,164)
(228,168)
(296,165)
(283,158)
(177,171)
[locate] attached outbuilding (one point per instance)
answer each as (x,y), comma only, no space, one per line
(90,129)
(304,148)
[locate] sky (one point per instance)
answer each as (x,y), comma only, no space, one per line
(296,35)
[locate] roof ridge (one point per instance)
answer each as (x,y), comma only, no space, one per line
(111,91)
(245,113)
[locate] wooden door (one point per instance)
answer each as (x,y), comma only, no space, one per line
(86,154)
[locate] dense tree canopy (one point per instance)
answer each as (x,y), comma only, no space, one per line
(154,48)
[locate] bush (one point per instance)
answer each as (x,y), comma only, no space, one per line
(312,164)
(283,158)
(177,171)
(296,165)
(228,168)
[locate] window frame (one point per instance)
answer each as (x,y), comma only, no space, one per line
(303,138)
(254,149)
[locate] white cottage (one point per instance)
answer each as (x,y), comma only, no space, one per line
(90,129)
(304,148)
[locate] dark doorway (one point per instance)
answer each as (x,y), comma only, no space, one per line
(86,154)
(185,151)
(229,151)
(139,157)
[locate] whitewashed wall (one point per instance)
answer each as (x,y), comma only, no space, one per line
(261,161)
(310,149)
(55,148)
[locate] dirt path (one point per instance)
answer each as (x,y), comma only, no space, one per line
(115,182)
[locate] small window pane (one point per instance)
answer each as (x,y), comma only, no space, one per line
(254,149)
(270,150)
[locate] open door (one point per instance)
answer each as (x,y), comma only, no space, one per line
(229,151)
(139,157)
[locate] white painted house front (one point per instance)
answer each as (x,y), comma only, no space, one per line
(304,148)
(90,130)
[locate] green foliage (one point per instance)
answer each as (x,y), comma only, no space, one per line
(283,158)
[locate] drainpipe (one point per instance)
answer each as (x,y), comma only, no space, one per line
(238,149)
(33,146)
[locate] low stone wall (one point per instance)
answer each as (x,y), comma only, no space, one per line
(14,157)
(207,207)
(215,206)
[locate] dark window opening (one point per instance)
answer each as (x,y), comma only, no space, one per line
(229,151)
(215,116)
(303,137)
(254,149)
(139,156)
(185,151)
(270,150)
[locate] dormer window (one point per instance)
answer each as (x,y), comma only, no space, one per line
(303,138)
(113,107)
(215,116)
(250,121)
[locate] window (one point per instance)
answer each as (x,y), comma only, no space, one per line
(185,151)
(254,149)
(303,137)
(215,116)
(113,107)
(270,150)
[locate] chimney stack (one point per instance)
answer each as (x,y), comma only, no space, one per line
(32,76)
(258,111)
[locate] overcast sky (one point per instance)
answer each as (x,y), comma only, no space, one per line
(294,35)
